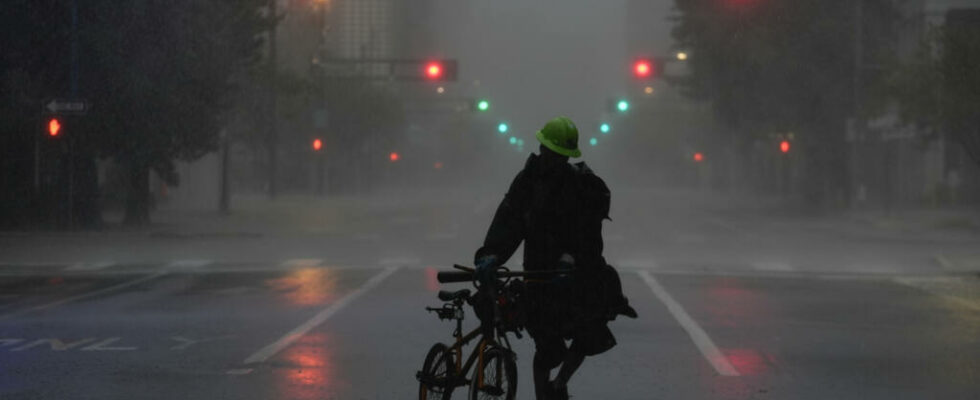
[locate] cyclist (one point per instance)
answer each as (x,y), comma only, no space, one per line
(556,209)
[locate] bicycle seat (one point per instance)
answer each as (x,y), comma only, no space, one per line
(446,295)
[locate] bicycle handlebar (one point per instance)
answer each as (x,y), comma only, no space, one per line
(466,275)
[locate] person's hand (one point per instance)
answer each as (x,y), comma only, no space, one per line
(485,269)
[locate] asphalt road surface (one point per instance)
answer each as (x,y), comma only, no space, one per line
(732,306)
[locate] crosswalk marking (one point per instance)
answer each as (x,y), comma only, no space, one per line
(190,264)
(707,347)
(90,266)
(302,263)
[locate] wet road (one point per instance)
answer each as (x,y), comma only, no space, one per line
(727,311)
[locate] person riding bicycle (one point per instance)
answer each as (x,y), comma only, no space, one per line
(556,209)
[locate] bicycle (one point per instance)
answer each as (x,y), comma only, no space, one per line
(495,376)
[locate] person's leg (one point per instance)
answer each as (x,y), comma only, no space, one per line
(573,360)
(548,354)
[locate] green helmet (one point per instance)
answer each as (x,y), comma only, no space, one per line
(561,136)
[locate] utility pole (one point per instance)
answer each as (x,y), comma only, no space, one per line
(273,139)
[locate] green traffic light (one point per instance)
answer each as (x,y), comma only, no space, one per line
(483,105)
(604,128)
(623,105)
(593,141)
(513,140)
(502,128)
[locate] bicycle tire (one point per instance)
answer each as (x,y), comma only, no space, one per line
(438,365)
(499,376)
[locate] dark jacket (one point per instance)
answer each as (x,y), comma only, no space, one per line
(554,212)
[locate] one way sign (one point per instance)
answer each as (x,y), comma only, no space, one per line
(66,106)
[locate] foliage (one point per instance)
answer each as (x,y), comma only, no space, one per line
(938,89)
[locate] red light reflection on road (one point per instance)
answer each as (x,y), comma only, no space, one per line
(307,286)
(731,304)
(307,369)
(747,362)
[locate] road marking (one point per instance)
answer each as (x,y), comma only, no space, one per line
(104,346)
(707,347)
(90,266)
(729,226)
(773,266)
(55,344)
(321,317)
(186,342)
(240,371)
(367,236)
(302,263)
(435,237)
(399,261)
(190,264)
(84,295)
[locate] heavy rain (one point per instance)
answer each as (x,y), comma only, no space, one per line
(508,199)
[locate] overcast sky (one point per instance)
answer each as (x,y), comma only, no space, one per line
(541,58)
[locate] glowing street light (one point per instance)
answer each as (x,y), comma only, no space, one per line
(502,128)
(681,56)
(605,128)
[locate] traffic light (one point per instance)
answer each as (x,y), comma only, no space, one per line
(54,127)
(513,140)
(502,127)
(645,68)
(605,128)
(698,157)
(439,70)
(784,146)
(623,106)
(593,141)
(394,157)
(317,145)
(483,105)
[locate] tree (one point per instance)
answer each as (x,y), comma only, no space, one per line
(938,89)
(780,66)
(164,74)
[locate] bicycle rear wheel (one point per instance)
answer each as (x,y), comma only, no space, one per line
(496,378)
(436,376)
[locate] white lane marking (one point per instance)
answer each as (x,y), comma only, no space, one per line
(729,226)
(84,295)
(90,266)
(302,263)
(773,266)
(104,346)
(435,237)
(240,371)
(399,261)
(707,347)
(275,347)
(367,236)
(190,264)
(638,263)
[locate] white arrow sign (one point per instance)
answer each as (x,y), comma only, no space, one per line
(74,106)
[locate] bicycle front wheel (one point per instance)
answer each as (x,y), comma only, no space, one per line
(436,376)
(496,378)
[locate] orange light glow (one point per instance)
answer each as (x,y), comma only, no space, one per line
(784,146)
(317,144)
(394,157)
(437,165)
(698,157)
(54,127)
(307,286)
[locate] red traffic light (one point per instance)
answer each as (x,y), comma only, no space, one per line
(698,157)
(394,156)
(644,69)
(317,144)
(54,127)
(434,70)
(784,146)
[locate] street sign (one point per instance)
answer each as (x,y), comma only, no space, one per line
(66,106)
